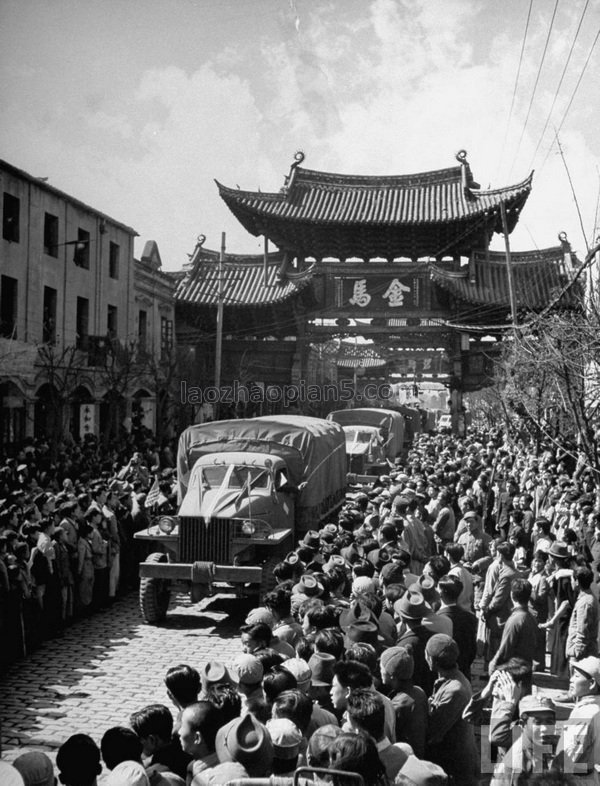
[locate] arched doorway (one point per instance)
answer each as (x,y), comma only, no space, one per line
(113,411)
(47,413)
(143,414)
(12,416)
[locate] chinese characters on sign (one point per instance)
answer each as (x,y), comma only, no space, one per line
(394,294)
(360,296)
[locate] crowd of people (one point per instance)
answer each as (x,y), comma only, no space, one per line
(66,533)
(359,659)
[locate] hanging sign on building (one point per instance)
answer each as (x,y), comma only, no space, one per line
(379,293)
(87,419)
(436,363)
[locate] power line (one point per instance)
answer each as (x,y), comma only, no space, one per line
(537,79)
(560,150)
(574,93)
(512,103)
(560,81)
(589,259)
(596,212)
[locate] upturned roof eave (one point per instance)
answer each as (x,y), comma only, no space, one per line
(252,206)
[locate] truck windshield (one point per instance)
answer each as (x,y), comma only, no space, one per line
(214,475)
(356,435)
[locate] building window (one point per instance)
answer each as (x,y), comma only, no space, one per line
(51,235)
(166,335)
(113,260)
(8,306)
(82,323)
(142,330)
(49,323)
(81,257)
(111,321)
(10,218)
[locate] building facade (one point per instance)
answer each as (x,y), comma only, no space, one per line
(154,343)
(69,319)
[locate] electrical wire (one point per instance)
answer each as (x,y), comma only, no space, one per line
(531,236)
(573,94)
(589,259)
(537,79)
(514,95)
(479,310)
(560,81)
(564,160)
(597,211)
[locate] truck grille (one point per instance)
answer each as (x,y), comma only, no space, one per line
(197,542)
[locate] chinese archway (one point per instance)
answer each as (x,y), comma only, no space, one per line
(403,260)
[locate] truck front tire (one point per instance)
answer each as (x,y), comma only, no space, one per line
(155,594)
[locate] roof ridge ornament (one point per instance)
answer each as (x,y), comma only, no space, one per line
(566,248)
(299,157)
(190,267)
(200,240)
(468,183)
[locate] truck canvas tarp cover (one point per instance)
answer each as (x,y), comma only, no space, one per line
(414,422)
(379,418)
(310,447)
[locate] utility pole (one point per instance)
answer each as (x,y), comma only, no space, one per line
(265,260)
(219,345)
(511,287)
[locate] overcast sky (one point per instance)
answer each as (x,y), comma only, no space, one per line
(135,106)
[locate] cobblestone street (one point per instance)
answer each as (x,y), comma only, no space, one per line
(108,666)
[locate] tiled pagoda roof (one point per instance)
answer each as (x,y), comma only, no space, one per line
(325,214)
(538,278)
(243,280)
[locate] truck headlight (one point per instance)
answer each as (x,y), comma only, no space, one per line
(248,528)
(166,524)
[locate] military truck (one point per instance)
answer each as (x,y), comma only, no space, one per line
(247,490)
(374,437)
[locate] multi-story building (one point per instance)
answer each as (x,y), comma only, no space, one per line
(70,324)
(154,314)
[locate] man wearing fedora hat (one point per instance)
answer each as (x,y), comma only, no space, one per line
(307,587)
(433,621)
(387,538)
(561,583)
(411,609)
(248,742)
